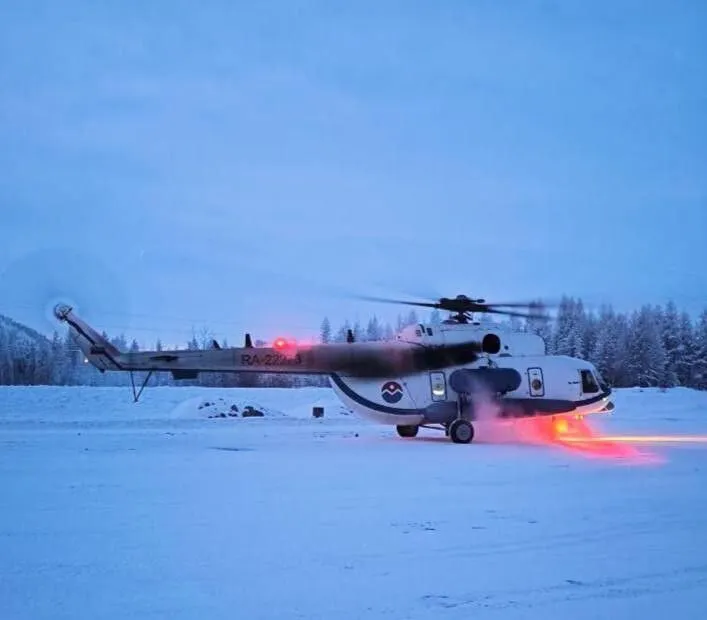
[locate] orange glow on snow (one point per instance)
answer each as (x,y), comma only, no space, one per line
(578,435)
(561,426)
(656,439)
(575,434)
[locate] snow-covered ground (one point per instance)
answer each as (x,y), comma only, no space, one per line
(110,509)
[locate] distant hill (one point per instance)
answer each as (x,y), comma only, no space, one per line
(18,332)
(26,356)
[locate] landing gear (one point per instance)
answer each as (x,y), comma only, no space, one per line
(461,431)
(407,430)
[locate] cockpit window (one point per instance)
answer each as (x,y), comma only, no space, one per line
(603,385)
(589,383)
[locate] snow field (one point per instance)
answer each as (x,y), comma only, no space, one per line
(113,510)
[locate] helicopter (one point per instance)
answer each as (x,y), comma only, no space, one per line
(433,376)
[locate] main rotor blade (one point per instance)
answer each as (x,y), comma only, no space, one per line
(386,362)
(522,304)
(517,304)
(524,315)
(424,304)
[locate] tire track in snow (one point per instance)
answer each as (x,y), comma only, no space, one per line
(634,586)
(539,542)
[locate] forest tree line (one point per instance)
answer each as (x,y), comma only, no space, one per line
(654,346)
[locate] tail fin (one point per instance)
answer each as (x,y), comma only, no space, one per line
(98,351)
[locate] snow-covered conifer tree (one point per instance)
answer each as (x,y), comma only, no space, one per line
(341,334)
(5,358)
(412,318)
(540,324)
(388,333)
(358,332)
(645,360)
(590,328)
(700,365)
(687,350)
(670,338)
(604,352)
(325,331)
(58,360)
(569,334)
(373,330)
(514,324)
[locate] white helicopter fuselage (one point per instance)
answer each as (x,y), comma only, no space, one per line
(548,384)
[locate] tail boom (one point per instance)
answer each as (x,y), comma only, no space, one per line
(371,360)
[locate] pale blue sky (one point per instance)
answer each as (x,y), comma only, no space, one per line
(220,161)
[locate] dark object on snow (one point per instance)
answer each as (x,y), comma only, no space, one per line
(318,412)
(250,412)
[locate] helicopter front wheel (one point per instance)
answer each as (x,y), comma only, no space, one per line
(461,431)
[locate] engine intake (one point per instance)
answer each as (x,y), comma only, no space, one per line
(491,344)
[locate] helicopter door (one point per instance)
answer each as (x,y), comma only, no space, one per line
(536,385)
(438,386)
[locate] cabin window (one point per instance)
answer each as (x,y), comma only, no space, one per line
(438,386)
(429,331)
(589,383)
(535,382)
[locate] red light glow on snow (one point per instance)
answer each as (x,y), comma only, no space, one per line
(656,439)
(573,434)
(576,435)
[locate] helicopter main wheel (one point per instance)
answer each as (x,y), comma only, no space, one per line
(461,431)
(407,430)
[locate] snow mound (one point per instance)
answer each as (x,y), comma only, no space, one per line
(221,407)
(110,405)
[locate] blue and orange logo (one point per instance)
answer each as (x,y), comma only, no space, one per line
(392,392)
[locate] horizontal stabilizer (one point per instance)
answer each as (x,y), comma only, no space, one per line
(166,357)
(185,374)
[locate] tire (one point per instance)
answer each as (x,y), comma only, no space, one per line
(407,431)
(461,431)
